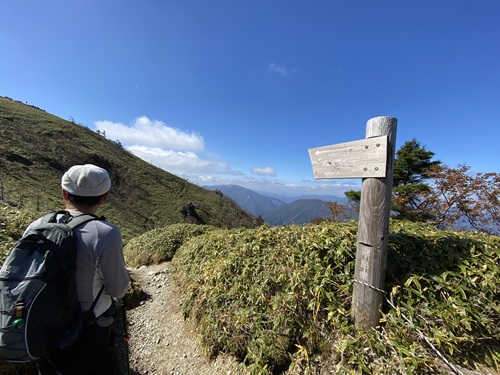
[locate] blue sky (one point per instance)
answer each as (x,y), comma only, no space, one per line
(234,91)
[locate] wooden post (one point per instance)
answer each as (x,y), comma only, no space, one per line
(373,230)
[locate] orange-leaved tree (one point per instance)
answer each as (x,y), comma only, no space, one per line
(461,199)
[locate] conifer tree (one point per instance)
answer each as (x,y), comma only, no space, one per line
(411,168)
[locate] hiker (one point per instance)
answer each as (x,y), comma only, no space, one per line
(99,263)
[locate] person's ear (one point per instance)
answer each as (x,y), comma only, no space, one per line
(65,195)
(105,198)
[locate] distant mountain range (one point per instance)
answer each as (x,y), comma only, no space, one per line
(248,199)
(279,211)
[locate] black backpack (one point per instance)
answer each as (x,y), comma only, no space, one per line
(39,308)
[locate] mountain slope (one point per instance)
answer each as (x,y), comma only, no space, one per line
(300,212)
(249,200)
(36,148)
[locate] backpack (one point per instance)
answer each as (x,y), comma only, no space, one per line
(39,308)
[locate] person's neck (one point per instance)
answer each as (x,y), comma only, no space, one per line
(81,209)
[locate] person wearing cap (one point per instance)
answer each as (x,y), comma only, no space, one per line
(100,262)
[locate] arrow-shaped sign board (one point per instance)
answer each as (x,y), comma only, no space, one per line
(357,159)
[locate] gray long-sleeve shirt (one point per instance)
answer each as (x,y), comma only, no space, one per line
(99,262)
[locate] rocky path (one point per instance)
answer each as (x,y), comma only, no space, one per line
(161,341)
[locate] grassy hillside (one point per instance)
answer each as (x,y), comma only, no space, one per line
(36,148)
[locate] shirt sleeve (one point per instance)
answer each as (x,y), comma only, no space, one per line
(112,264)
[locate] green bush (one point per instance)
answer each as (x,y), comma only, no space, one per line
(13,222)
(281,297)
(260,294)
(160,245)
(446,284)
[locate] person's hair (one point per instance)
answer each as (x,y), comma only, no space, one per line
(85,201)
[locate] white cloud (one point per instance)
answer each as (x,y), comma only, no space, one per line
(171,149)
(151,133)
(279,69)
(181,163)
(182,153)
(264,171)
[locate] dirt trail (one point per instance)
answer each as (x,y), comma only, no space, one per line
(161,341)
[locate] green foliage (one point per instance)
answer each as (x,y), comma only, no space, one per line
(36,148)
(446,283)
(412,162)
(353,196)
(258,293)
(13,222)
(160,245)
(11,368)
(411,166)
(281,297)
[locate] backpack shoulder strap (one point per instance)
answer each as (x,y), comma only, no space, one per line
(51,217)
(71,221)
(75,221)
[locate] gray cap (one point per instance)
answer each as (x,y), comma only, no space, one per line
(86,181)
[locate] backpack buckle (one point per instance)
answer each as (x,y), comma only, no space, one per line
(19,308)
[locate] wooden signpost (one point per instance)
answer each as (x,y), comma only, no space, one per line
(358,159)
(371,159)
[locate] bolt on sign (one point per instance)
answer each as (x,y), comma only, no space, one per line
(366,158)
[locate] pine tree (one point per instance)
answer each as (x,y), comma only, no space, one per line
(411,170)
(411,167)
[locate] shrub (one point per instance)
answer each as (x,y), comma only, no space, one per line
(281,297)
(260,294)
(159,245)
